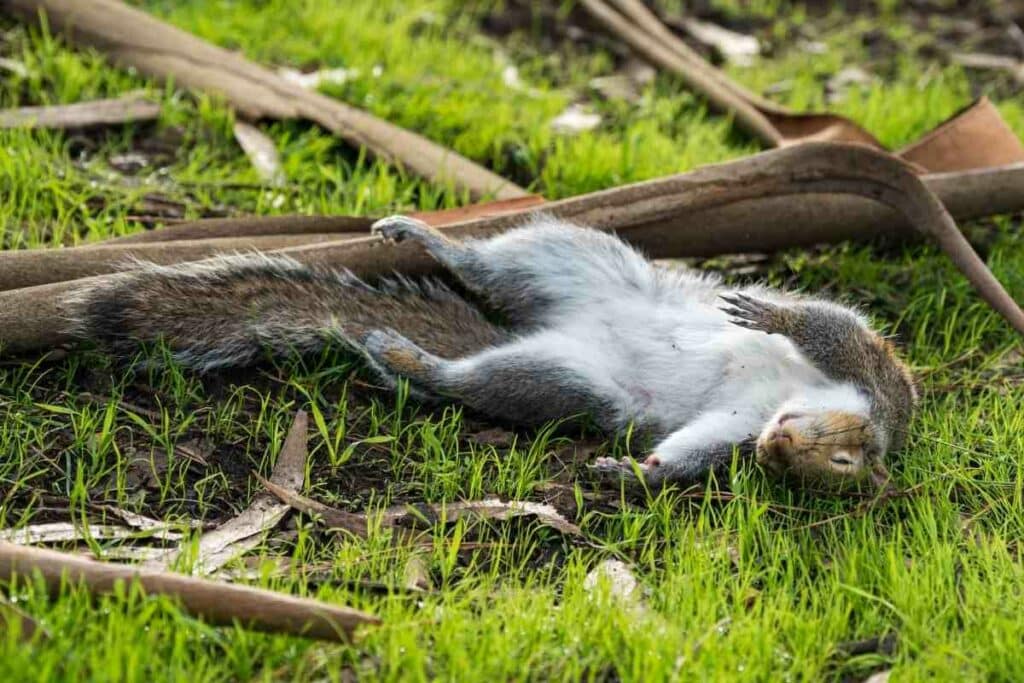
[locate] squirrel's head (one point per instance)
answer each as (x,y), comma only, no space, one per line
(838,435)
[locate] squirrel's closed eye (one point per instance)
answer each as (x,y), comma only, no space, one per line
(841,460)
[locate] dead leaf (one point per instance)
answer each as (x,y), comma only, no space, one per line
(627,83)
(248,529)
(261,152)
(128,109)
(838,85)
(620,581)
(575,119)
(60,532)
(129,163)
(416,576)
(137,521)
(314,79)
(14,66)
(735,47)
(490,508)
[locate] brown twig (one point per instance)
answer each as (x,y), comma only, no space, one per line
(217,603)
(133,38)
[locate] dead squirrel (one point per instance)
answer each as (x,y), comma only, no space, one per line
(594,328)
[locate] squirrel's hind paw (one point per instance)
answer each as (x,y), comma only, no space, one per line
(751,313)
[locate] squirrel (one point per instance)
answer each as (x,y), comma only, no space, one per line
(590,326)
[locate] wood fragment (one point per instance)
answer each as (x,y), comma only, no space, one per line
(217,603)
(636,26)
(128,109)
(247,529)
(135,39)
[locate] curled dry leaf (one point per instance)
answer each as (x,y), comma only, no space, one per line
(489,508)
(61,532)
(627,83)
(14,66)
(314,79)
(575,119)
(618,577)
(735,47)
(262,152)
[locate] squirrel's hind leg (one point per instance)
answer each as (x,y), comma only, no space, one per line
(521,382)
(393,357)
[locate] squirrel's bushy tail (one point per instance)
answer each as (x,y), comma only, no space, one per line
(232,310)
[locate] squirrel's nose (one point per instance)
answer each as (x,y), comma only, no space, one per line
(781,439)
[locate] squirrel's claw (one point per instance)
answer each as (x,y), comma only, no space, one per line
(397,228)
(622,468)
(748,312)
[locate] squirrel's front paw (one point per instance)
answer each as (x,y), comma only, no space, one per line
(626,468)
(398,228)
(753,314)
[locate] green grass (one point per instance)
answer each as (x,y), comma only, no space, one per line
(763,584)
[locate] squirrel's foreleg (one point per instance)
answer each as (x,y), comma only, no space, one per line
(688,454)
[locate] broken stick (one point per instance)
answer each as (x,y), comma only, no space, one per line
(127,109)
(218,603)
